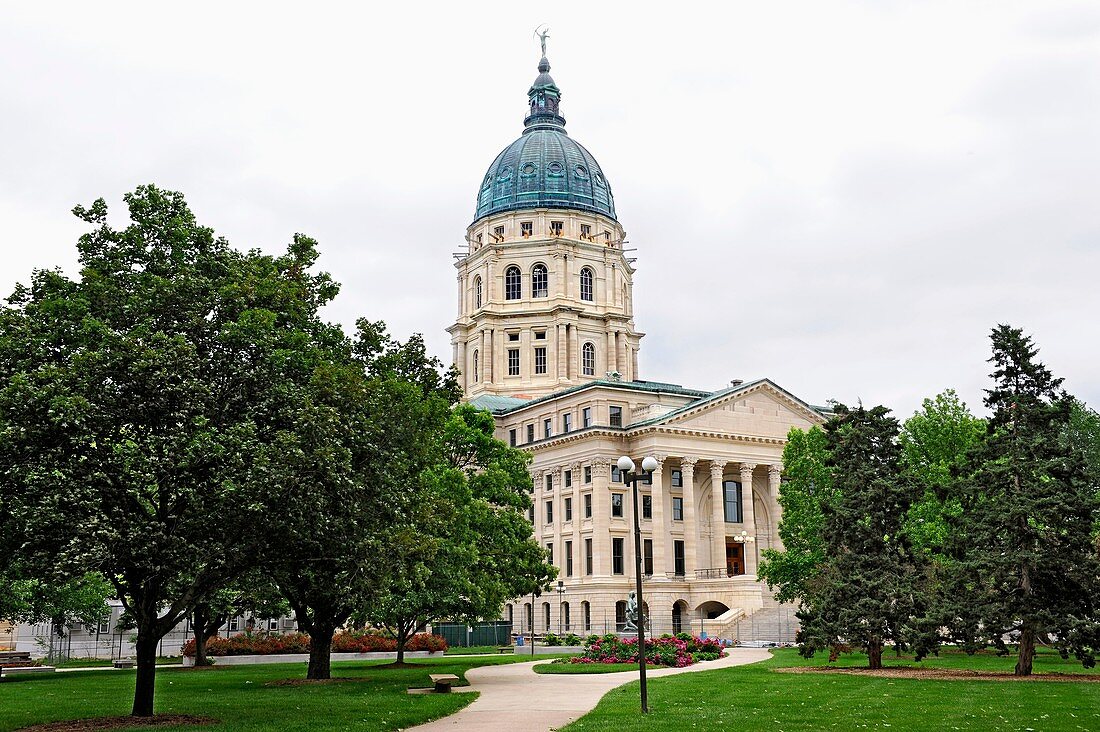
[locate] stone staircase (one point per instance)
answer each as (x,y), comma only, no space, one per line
(774,623)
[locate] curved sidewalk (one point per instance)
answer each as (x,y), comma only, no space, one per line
(514,697)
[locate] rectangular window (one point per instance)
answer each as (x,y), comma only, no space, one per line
(540,335)
(677,508)
(617,504)
(677,480)
(615,416)
(513,362)
(512,437)
(588,556)
(531,432)
(105,626)
(540,360)
(549,512)
(549,481)
(568,478)
(588,505)
(525,228)
(587,473)
(616,556)
(550,552)
(586,417)
(531,514)
(547,428)
(498,232)
(586,231)
(568,559)
(616,474)
(567,423)
(273,624)
(556,228)
(679,558)
(568,509)
(647,507)
(234,625)
(647,556)
(513,337)
(732,493)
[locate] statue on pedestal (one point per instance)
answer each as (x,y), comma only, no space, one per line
(631,613)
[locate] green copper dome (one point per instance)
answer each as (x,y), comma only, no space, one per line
(544,168)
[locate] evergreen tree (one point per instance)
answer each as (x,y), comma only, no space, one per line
(1027,565)
(867,591)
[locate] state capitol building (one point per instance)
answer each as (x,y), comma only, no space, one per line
(545,340)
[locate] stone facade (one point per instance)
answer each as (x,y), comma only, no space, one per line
(545,340)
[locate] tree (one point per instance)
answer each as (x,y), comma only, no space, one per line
(351,477)
(467,548)
(1027,564)
(866,591)
(137,400)
(63,603)
(803,495)
(251,594)
(934,444)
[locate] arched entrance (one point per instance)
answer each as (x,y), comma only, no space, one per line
(711,609)
(679,614)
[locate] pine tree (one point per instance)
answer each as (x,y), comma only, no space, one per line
(867,592)
(1026,563)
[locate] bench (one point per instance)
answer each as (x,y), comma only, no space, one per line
(14,656)
(123,663)
(443,682)
(17,670)
(505,649)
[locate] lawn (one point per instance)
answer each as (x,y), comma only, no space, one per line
(240,698)
(587,668)
(757,697)
(472,651)
(104,662)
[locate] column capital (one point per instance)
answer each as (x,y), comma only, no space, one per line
(717,467)
(575,467)
(775,471)
(687,462)
(747,467)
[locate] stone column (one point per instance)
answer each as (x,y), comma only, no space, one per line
(624,368)
(717,515)
(562,353)
(500,357)
(578,518)
(691,529)
(601,518)
(775,473)
(612,349)
(460,362)
(574,351)
(536,501)
(659,532)
(559,508)
(749,516)
(634,365)
(486,357)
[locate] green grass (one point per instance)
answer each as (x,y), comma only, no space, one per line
(585,668)
(756,697)
(237,696)
(104,662)
(473,650)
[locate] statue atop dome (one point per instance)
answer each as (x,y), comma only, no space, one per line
(543,35)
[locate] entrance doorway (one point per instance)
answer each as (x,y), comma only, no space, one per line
(735,558)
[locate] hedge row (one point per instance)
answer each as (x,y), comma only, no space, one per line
(265,644)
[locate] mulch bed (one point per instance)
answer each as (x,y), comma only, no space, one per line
(938,674)
(98,723)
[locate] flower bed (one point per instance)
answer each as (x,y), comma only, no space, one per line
(268,644)
(675,651)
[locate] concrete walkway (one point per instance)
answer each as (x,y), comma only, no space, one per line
(514,697)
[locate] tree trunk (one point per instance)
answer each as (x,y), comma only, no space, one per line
(402,637)
(1027,651)
(146,672)
(874,655)
(198,624)
(320,652)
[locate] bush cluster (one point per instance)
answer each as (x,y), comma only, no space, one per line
(265,644)
(552,639)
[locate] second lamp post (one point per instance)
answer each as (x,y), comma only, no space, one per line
(632,478)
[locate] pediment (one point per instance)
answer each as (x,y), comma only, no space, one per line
(761,409)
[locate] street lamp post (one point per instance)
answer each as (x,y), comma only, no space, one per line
(561,591)
(632,478)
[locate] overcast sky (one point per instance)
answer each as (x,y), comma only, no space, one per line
(841,196)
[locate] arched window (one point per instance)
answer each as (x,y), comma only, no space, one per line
(539,281)
(546,615)
(476,379)
(477,292)
(587,279)
(508,609)
(530,615)
(565,617)
(512,283)
(620,616)
(586,610)
(588,359)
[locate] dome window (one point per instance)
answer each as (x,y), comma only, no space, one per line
(581,172)
(477,292)
(586,232)
(556,228)
(539,281)
(587,282)
(555,169)
(528,170)
(512,288)
(525,229)
(505,173)
(488,180)
(599,179)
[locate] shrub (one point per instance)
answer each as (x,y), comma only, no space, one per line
(265,644)
(551,640)
(572,639)
(663,651)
